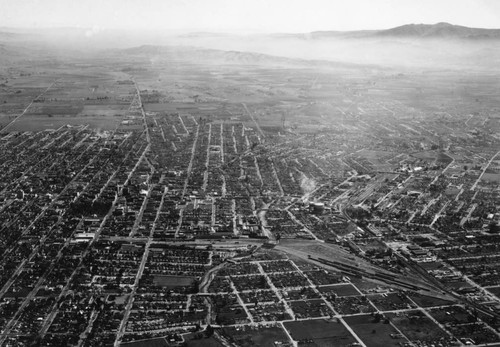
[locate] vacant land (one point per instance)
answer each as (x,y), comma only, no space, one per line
(416,326)
(320,333)
(247,336)
(375,332)
(340,290)
(428,301)
(203,342)
(173,281)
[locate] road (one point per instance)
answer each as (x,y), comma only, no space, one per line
(190,165)
(142,265)
(484,170)
(27,108)
(254,120)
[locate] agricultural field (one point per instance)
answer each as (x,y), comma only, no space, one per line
(41,123)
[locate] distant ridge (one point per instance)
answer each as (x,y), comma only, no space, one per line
(440,30)
(415,31)
(204,54)
(192,53)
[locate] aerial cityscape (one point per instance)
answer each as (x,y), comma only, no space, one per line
(177,193)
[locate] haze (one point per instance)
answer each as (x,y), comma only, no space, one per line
(246,15)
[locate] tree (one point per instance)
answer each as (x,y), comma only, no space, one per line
(493,228)
(209,331)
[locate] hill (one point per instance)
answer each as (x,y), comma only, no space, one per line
(440,30)
(417,31)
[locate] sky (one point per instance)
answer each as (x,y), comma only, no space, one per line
(245,15)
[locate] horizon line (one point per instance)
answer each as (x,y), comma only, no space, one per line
(223,31)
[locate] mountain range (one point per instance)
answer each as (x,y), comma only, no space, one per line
(441,30)
(440,45)
(416,31)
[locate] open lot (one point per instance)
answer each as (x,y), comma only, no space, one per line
(416,326)
(428,301)
(158,342)
(390,301)
(495,290)
(173,281)
(202,342)
(375,332)
(491,177)
(340,289)
(320,333)
(265,336)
